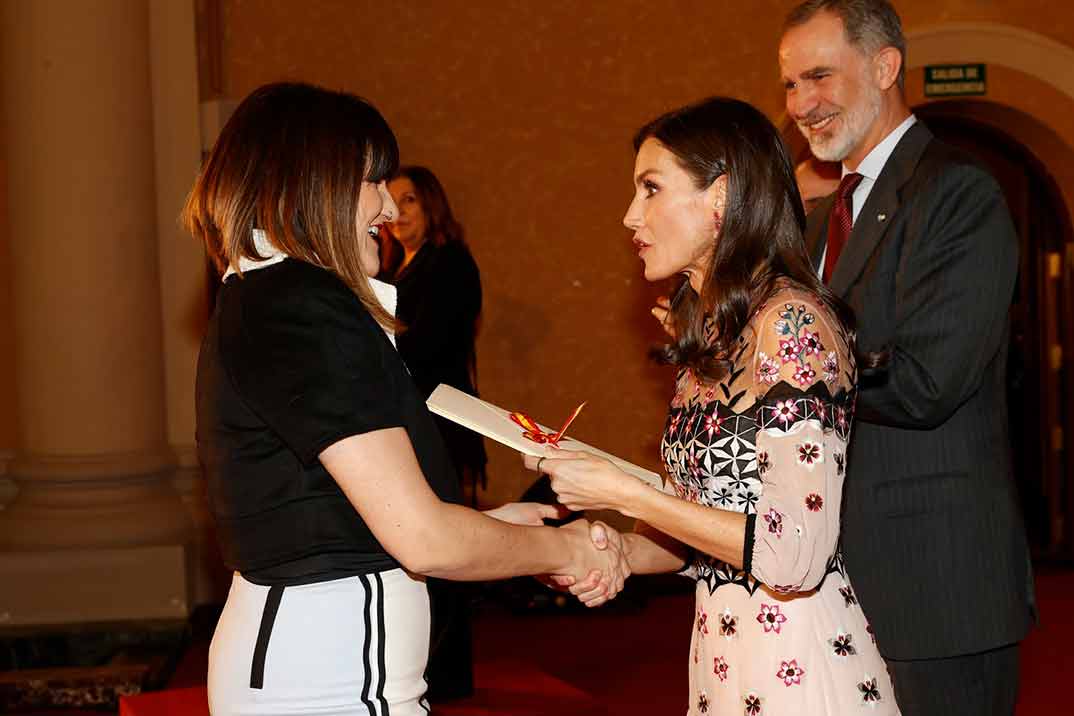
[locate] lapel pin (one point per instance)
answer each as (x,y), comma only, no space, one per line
(881,217)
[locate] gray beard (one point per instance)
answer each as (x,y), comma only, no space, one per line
(857,122)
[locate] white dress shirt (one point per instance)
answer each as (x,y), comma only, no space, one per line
(873,164)
(870,169)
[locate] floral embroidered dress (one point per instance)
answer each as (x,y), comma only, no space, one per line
(784,635)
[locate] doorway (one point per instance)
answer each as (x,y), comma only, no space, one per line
(1039,386)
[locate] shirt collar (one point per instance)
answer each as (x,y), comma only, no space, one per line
(875,160)
(263,247)
(385,292)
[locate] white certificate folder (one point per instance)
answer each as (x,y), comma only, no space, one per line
(495,423)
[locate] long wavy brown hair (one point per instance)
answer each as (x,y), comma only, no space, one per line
(760,240)
(291,161)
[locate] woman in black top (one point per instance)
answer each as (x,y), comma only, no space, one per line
(331,488)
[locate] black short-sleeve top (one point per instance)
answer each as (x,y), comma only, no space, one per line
(291,363)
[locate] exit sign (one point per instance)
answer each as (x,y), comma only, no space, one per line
(954,80)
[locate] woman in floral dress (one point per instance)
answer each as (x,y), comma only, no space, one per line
(755,442)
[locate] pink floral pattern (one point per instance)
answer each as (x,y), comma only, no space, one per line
(842,645)
(797,344)
(849,600)
(831,367)
(810,454)
(763,463)
(870,694)
(771,618)
(786,410)
(810,342)
(774,520)
(767,369)
(728,624)
(805,374)
(713,423)
(789,350)
(720,668)
(814,502)
(790,672)
(753,704)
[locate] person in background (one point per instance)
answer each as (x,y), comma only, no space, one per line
(439,303)
(919,242)
(817,180)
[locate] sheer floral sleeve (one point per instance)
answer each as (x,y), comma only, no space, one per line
(803,380)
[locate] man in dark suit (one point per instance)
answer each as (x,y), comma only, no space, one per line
(918,240)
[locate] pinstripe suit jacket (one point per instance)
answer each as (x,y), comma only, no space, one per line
(932,533)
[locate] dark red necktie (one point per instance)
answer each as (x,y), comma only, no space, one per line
(840,222)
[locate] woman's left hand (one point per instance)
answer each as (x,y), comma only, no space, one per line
(586,482)
(531,514)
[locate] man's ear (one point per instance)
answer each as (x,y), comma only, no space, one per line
(886,66)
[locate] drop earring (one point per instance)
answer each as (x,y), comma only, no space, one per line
(718,221)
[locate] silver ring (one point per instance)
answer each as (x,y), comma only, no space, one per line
(539,461)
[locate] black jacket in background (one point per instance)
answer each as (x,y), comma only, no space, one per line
(439,303)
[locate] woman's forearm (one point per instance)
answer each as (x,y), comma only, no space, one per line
(585,482)
(468,546)
(380,475)
(710,530)
(650,551)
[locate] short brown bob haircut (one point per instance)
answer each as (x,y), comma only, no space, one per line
(291,161)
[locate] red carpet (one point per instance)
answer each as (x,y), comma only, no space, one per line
(627,663)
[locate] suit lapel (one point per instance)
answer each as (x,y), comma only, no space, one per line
(879,210)
(816,233)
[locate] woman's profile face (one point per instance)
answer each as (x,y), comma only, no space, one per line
(673,221)
(410,226)
(375,207)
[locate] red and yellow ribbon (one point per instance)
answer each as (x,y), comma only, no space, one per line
(532,431)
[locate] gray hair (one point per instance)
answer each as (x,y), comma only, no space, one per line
(870,25)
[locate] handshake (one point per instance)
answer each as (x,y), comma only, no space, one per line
(602,564)
(597,564)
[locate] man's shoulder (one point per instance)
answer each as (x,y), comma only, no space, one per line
(943,164)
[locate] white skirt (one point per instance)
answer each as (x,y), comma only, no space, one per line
(353,647)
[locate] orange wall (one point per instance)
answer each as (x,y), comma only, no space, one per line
(8,399)
(526,111)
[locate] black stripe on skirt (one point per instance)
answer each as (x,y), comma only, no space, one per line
(268,618)
(368,644)
(381,644)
